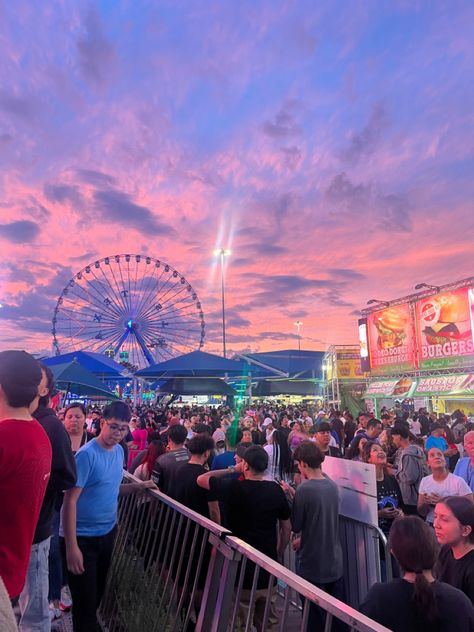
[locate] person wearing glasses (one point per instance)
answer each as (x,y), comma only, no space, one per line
(89,517)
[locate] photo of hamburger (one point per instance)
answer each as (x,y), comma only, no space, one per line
(391,327)
(402,386)
(446,318)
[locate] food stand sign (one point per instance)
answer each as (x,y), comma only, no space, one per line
(445,329)
(445,385)
(348,365)
(391,388)
(391,340)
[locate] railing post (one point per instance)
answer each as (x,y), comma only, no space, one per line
(215,611)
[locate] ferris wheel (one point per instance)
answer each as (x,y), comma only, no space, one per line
(135,309)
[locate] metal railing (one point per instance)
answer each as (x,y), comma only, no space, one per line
(174,570)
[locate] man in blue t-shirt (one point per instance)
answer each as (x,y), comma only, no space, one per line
(90,515)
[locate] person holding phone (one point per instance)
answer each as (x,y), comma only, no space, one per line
(389,497)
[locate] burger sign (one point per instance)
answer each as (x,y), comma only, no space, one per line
(444,328)
(391,340)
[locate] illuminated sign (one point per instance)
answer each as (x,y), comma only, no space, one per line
(445,329)
(364,346)
(391,340)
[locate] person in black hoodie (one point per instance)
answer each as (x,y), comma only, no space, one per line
(34,604)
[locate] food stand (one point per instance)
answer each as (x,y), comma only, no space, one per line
(420,349)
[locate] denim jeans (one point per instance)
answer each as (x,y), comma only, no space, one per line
(34,605)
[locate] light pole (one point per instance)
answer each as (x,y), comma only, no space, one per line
(222,252)
(298,324)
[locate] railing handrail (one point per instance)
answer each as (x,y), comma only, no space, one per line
(208,524)
(375,527)
(337,608)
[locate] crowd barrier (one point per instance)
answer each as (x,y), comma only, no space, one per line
(174,570)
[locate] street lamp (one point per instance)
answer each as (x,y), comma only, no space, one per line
(298,324)
(420,286)
(222,252)
(375,300)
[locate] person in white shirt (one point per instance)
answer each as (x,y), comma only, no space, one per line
(439,485)
(415,427)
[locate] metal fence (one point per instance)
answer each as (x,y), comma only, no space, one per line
(174,570)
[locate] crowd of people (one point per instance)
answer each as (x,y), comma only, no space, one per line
(61,475)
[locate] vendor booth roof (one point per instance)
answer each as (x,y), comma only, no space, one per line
(76,380)
(196,363)
(96,363)
(196,386)
(267,388)
(293,363)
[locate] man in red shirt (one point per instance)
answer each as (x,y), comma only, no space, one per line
(25,465)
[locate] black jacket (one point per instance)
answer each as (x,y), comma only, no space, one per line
(63,470)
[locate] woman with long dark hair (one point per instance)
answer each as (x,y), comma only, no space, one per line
(280,461)
(454,529)
(416,602)
(355,450)
(144,470)
(140,437)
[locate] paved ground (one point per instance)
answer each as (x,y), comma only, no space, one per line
(64,624)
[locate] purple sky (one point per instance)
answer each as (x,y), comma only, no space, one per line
(328,144)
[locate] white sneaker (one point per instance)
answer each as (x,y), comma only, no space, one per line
(66,600)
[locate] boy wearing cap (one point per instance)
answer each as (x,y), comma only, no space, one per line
(322,438)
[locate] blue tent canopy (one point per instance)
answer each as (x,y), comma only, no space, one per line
(292,362)
(197,364)
(96,363)
(74,378)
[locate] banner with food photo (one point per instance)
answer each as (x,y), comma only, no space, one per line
(444,330)
(391,340)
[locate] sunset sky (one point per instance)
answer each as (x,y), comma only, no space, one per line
(328,144)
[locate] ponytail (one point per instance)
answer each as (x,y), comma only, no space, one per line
(425,603)
(415,548)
